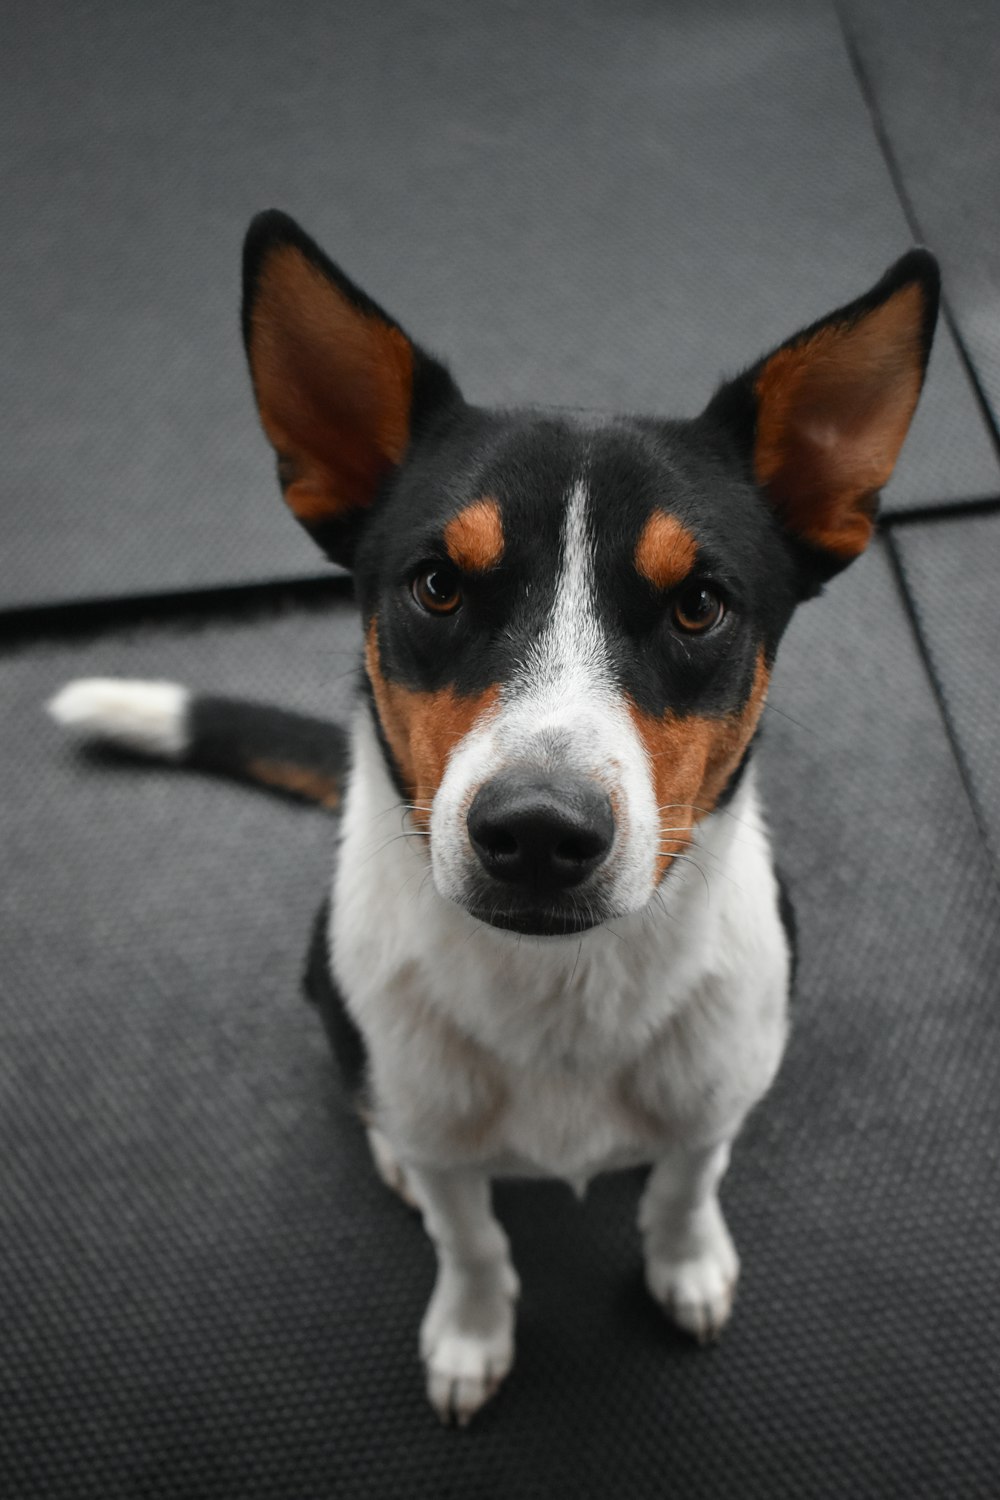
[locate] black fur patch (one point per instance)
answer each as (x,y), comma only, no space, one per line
(528,463)
(789,921)
(345,1039)
(291,753)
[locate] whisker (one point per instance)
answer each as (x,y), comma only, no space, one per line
(690,843)
(720,812)
(718,870)
(797,722)
(404,807)
(406,834)
(687,860)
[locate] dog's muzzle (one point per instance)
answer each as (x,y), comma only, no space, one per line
(539,838)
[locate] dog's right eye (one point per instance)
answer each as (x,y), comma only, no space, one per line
(436,589)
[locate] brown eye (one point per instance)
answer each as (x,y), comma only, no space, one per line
(436,590)
(697,608)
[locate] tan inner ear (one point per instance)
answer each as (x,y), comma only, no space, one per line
(832,414)
(333,385)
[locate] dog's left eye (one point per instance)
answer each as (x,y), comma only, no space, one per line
(697,608)
(436,589)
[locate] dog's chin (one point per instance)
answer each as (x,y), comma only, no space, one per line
(548,924)
(542,915)
(529,912)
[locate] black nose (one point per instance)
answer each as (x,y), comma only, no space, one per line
(550,832)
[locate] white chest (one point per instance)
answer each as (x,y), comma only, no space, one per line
(557,1056)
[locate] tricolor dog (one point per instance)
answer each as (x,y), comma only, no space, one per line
(569,627)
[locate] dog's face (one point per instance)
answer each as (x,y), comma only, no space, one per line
(569,624)
(569,631)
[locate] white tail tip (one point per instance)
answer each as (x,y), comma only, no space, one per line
(148,717)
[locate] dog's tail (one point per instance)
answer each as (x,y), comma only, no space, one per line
(287,752)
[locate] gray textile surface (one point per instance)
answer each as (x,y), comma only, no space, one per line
(205,1290)
(950,569)
(933,70)
(574,203)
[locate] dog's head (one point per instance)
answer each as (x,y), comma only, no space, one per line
(570,624)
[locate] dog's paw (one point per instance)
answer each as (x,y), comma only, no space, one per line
(467,1339)
(696,1291)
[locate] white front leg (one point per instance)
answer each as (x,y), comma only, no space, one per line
(691,1262)
(467,1336)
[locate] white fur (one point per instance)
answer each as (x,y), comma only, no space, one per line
(695,984)
(147,717)
(691,1262)
(645,1039)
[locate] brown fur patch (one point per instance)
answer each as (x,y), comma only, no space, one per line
(692,759)
(299,780)
(832,414)
(422,729)
(665,552)
(474,538)
(333,387)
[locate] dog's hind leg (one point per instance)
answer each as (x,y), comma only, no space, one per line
(467,1336)
(691,1262)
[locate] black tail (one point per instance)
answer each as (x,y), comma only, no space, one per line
(286,752)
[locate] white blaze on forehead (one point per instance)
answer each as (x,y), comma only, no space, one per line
(562,710)
(571,655)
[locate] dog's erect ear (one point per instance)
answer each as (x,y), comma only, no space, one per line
(825,415)
(340,388)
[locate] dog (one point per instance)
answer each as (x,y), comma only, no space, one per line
(570,623)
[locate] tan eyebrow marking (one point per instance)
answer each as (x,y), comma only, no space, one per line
(665,552)
(474,538)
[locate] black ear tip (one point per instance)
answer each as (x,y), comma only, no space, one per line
(267,230)
(917,265)
(922,265)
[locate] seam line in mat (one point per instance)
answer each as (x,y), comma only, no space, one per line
(912,218)
(949,511)
(941,699)
(94,617)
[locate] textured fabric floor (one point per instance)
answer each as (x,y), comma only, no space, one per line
(207,1293)
(573,204)
(932,72)
(950,571)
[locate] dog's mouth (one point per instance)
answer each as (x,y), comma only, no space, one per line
(535,918)
(536,924)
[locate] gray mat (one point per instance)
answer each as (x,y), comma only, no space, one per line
(932,70)
(575,204)
(205,1292)
(950,570)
